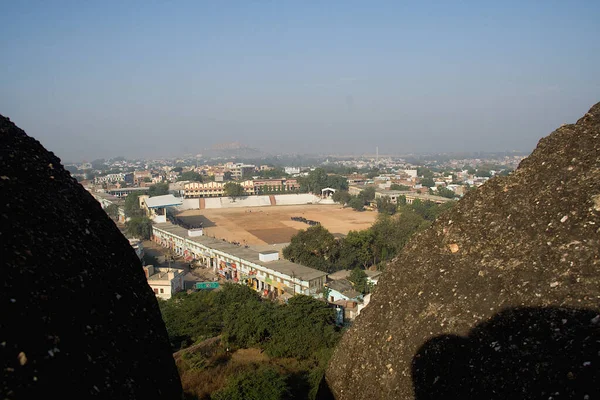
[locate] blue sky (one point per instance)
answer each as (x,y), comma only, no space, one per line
(172,77)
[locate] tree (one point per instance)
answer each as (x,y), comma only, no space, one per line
(314,247)
(445,192)
(424,172)
(132,206)
(264,383)
(396,186)
(341,196)
(158,189)
(357,203)
(359,278)
(368,194)
(428,182)
(356,249)
(373,173)
(192,176)
(112,210)
(147,179)
(483,173)
(318,179)
(177,169)
(385,205)
(139,227)
(233,190)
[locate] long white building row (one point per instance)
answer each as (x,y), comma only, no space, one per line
(263,271)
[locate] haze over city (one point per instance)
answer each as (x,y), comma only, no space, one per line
(170,78)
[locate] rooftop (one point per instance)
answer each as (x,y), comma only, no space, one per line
(283,266)
(163,201)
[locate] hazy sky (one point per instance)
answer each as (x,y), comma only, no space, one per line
(172,77)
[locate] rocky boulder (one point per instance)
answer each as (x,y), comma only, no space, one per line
(78,318)
(499,298)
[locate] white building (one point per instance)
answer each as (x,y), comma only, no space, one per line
(165,282)
(291,170)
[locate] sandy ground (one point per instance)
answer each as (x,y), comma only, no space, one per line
(270,225)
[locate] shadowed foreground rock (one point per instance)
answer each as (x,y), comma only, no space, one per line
(78,319)
(499,298)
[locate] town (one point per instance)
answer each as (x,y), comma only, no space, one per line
(170,201)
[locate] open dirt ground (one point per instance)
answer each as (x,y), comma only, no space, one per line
(270,225)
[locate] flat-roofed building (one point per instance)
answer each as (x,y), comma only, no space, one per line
(213,189)
(264,271)
(410,196)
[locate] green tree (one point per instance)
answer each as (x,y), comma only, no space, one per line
(318,179)
(425,172)
(396,186)
(301,328)
(314,247)
(158,189)
(233,190)
(112,210)
(368,194)
(373,173)
(428,182)
(356,249)
(259,383)
(483,173)
(139,227)
(132,205)
(357,203)
(341,196)
(445,192)
(147,179)
(385,205)
(359,278)
(177,169)
(192,176)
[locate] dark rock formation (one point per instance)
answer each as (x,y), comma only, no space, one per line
(78,319)
(500,297)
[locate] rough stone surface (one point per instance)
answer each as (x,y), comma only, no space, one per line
(77,318)
(499,297)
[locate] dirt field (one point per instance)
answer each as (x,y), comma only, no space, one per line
(270,225)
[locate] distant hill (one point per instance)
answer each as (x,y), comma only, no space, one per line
(232,149)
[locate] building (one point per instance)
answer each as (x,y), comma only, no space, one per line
(122,192)
(265,272)
(110,178)
(141,176)
(212,189)
(156,207)
(217,189)
(106,200)
(164,282)
(342,289)
(240,171)
(275,185)
(410,196)
(291,170)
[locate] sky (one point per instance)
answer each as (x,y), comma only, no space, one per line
(167,78)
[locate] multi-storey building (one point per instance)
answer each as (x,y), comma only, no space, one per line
(212,189)
(275,185)
(265,272)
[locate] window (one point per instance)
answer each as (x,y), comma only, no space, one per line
(162,290)
(155,291)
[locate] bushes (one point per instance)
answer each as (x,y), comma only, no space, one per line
(264,383)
